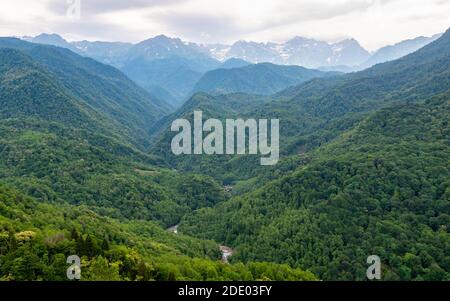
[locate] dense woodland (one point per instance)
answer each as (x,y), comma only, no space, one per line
(258,79)
(37,237)
(382,188)
(86,169)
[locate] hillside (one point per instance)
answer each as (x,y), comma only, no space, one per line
(174,77)
(382,188)
(262,79)
(28,90)
(316,112)
(60,143)
(233,63)
(167,66)
(74,179)
(36,237)
(112,99)
(393,52)
(223,168)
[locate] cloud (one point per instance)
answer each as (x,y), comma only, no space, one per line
(197,25)
(93,7)
(373,22)
(252,17)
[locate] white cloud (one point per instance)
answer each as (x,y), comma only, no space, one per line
(374,23)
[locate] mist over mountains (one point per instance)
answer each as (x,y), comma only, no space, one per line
(305,52)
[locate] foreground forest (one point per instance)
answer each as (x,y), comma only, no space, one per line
(36,238)
(86,169)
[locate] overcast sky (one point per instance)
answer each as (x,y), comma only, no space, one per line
(374,23)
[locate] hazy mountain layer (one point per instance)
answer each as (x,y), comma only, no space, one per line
(264,79)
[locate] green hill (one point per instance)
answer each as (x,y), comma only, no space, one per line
(316,112)
(381,188)
(109,96)
(28,90)
(36,238)
(74,179)
(60,147)
(263,79)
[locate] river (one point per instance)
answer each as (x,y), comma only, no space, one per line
(226,251)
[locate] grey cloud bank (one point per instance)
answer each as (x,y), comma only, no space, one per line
(374,23)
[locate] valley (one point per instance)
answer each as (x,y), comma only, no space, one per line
(87,167)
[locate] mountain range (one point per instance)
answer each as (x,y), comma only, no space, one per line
(315,112)
(264,79)
(299,51)
(169,68)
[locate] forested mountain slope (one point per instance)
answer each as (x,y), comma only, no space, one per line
(110,96)
(316,112)
(172,77)
(60,143)
(74,179)
(167,66)
(62,164)
(224,168)
(36,238)
(316,106)
(28,90)
(381,188)
(263,79)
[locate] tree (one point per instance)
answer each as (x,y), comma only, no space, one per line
(101,270)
